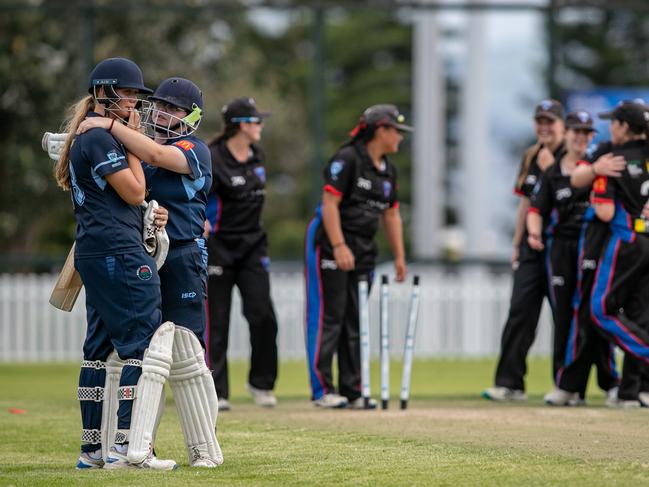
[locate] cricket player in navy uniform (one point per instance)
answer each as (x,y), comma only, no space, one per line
(530,284)
(360,190)
(178,174)
(562,207)
(120,278)
(238,251)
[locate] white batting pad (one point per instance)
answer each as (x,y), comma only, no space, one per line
(195,398)
(109,409)
(53,144)
(155,370)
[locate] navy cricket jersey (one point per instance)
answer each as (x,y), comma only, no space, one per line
(237,197)
(561,206)
(183,195)
(366,191)
(106,224)
(631,189)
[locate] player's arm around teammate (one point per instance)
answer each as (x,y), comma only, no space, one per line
(121,281)
(359,191)
(238,251)
(179,175)
(529,287)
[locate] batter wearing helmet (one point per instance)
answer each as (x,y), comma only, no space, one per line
(562,208)
(178,174)
(121,280)
(360,189)
(238,251)
(530,284)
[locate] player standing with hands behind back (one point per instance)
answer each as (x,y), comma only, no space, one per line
(238,251)
(360,189)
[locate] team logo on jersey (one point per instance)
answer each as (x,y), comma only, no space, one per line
(144,272)
(387,188)
(530,179)
(558,281)
(114,157)
(336,168)
(562,194)
(634,168)
(184,144)
(588,264)
(644,188)
(237,181)
(364,183)
(599,186)
(261,173)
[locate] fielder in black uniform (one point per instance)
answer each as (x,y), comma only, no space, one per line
(621,288)
(360,189)
(562,209)
(237,251)
(530,286)
(585,342)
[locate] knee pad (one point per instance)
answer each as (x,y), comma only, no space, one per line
(195,398)
(155,370)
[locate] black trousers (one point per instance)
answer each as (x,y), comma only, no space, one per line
(585,346)
(529,289)
(242,262)
(621,293)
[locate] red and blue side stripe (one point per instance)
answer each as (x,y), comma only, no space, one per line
(314,305)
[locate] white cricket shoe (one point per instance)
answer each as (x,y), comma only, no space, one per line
(204,463)
(643,397)
(332,401)
(117,459)
(224,404)
(502,394)
(262,397)
(90,460)
(359,403)
(560,397)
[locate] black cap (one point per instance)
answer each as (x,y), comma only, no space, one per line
(551,109)
(580,120)
(385,115)
(633,112)
(118,72)
(243,109)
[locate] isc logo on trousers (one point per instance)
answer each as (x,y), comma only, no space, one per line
(188,295)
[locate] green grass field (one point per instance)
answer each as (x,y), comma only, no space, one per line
(449,436)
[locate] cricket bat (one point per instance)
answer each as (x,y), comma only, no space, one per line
(68,285)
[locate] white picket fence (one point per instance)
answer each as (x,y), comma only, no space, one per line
(460,315)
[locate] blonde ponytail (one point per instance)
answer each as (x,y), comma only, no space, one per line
(76,114)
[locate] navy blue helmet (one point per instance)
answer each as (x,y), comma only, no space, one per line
(117,72)
(179,92)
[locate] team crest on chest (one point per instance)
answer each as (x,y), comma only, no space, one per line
(261,173)
(387,188)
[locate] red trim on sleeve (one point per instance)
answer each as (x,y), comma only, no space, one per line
(518,192)
(395,205)
(330,189)
(581,162)
(598,199)
(533,209)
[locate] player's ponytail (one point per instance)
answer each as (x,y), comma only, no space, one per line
(229,131)
(76,114)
